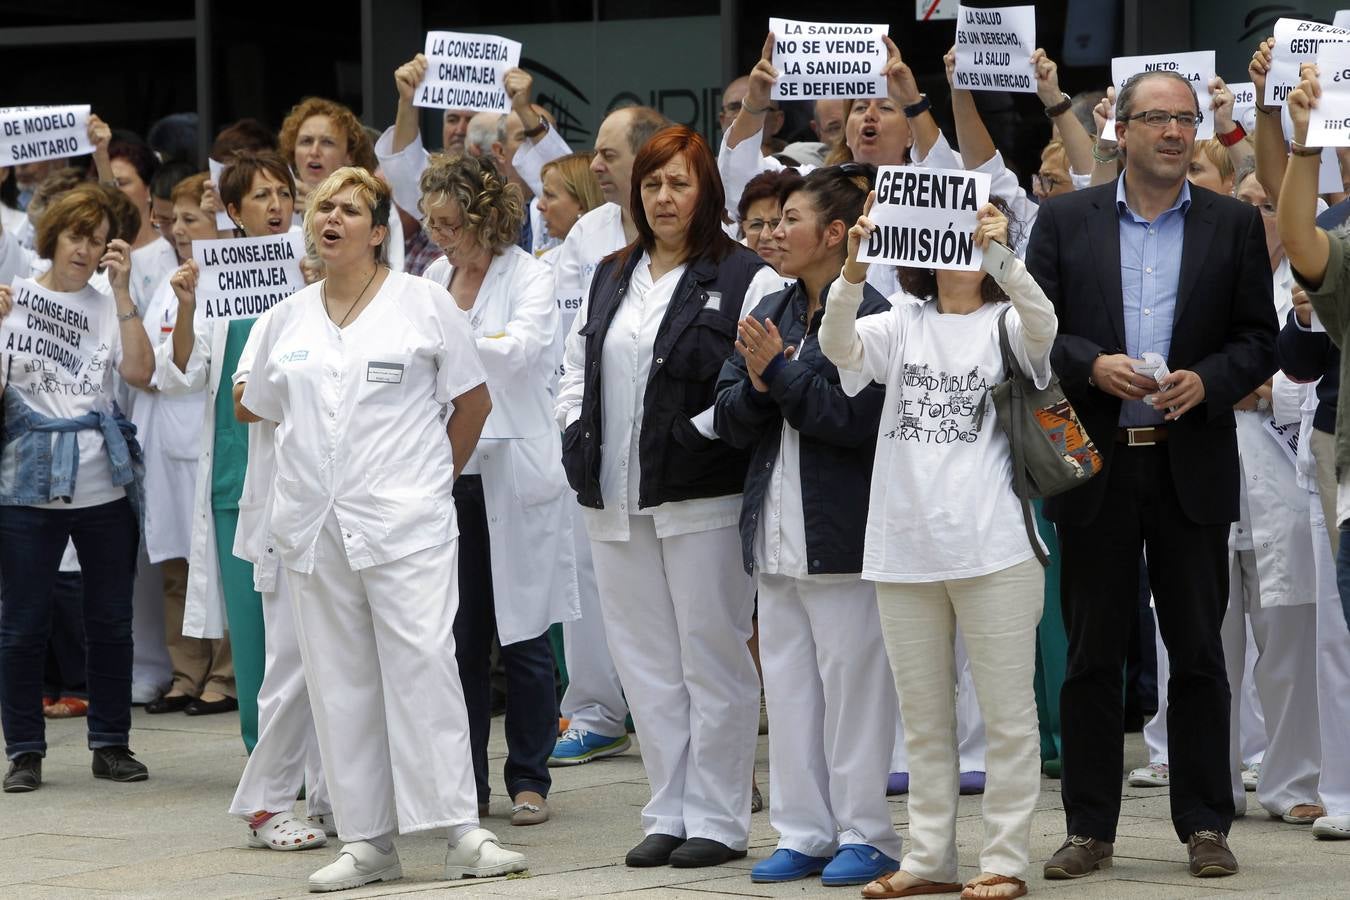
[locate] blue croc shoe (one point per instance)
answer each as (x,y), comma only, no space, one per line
(972,782)
(897,783)
(787,865)
(857,864)
(575,747)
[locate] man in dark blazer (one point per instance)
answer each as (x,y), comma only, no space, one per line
(1152,264)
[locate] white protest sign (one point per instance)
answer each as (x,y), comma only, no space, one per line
(820,60)
(1329,120)
(223,221)
(34,133)
(993,49)
(242,278)
(1244,104)
(44,325)
(926,218)
(1296,42)
(467,71)
(1286,436)
(1197,67)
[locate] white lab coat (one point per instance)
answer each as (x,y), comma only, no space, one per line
(204,610)
(519,454)
(168,427)
(1275,506)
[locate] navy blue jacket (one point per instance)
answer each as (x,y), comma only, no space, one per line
(696,335)
(838,434)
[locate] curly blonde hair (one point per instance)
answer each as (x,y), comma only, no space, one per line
(359,148)
(493,208)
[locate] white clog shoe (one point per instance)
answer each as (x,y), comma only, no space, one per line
(480,855)
(360,862)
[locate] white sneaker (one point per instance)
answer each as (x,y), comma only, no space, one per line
(1334,827)
(324,821)
(480,855)
(1151,775)
(1251,775)
(360,862)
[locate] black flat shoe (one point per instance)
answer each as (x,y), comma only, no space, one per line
(201,707)
(118,764)
(654,850)
(696,853)
(168,704)
(24,775)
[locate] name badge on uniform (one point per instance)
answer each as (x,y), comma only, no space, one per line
(714,301)
(384,372)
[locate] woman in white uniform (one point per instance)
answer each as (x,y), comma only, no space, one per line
(831,704)
(203,672)
(934,478)
(379,398)
(663,496)
(511,498)
(258,194)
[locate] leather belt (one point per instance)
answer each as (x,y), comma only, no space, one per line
(1141,437)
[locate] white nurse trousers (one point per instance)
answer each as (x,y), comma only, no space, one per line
(677,613)
(286,756)
(1286,681)
(594,698)
(1333,672)
(379,657)
(832,704)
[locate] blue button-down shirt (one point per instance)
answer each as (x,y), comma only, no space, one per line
(1150,272)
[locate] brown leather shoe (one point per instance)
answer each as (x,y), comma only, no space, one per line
(1210,856)
(1077,857)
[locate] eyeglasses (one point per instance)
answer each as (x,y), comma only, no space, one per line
(755,225)
(450,231)
(1159,118)
(1045,183)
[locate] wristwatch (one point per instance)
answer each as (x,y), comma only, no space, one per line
(537,130)
(1060,108)
(919,107)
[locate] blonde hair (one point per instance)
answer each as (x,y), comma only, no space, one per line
(493,208)
(575,172)
(1217,154)
(371,191)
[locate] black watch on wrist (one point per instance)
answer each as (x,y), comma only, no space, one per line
(1060,108)
(537,130)
(919,107)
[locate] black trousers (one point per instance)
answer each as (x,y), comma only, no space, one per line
(531,697)
(1188,572)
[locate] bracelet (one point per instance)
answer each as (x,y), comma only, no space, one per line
(127,317)
(538,129)
(918,108)
(1232,137)
(752,111)
(1304,150)
(1115,155)
(1267,110)
(1060,108)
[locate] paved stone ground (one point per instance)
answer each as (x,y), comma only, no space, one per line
(170,837)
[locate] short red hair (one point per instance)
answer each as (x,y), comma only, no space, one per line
(706,237)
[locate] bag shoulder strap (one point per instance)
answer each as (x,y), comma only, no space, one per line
(1015,442)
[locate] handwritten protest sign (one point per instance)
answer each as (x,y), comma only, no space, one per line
(223,222)
(34,133)
(817,60)
(1296,42)
(1329,120)
(926,217)
(993,49)
(1197,67)
(467,71)
(45,325)
(242,278)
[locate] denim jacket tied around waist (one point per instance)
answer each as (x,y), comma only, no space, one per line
(40,456)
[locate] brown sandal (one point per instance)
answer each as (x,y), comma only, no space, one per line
(968,892)
(884,889)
